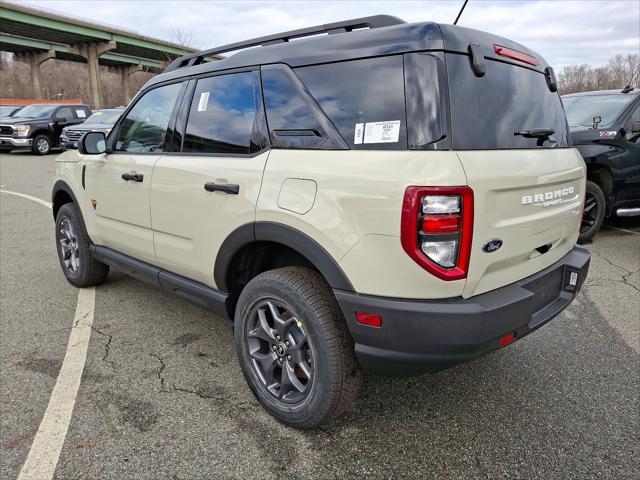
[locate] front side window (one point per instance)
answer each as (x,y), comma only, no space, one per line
(363,98)
(65,114)
(144,128)
(223,115)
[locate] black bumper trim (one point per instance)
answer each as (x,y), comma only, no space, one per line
(419,336)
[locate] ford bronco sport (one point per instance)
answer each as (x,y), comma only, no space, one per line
(391,197)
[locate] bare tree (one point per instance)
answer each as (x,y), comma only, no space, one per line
(622,70)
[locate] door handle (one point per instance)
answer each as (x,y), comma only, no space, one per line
(230,188)
(136,177)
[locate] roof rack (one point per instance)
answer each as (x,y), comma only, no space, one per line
(375,21)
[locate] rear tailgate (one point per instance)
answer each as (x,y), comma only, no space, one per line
(529,199)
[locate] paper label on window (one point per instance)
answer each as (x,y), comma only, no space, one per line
(81,114)
(204,100)
(382,132)
(357,136)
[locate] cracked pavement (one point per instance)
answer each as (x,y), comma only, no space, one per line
(162,395)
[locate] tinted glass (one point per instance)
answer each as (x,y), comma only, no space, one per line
(426,108)
(294,119)
(582,108)
(65,114)
(487,111)
(222,115)
(363,98)
(144,127)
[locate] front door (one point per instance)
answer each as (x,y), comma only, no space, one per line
(210,186)
(119,186)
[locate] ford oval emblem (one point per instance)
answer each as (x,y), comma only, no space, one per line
(492,245)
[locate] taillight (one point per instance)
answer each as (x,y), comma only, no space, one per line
(436,229)
(515,55)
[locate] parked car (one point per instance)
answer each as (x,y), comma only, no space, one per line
(398,198)
(100,121)
(9,110)
(605,128)
(39,126)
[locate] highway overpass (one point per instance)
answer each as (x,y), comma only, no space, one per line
(36,35)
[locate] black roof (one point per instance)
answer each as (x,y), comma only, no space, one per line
(385,35)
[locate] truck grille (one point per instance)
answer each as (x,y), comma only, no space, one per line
(6,130)
(75,134)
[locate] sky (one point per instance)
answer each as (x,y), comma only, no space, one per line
(563,31)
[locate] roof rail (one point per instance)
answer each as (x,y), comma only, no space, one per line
(375,21)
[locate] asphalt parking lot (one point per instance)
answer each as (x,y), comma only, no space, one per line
(162,395)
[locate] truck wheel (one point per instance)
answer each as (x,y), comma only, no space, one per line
(593,216)
(72,243)
(41,144)
(294,347)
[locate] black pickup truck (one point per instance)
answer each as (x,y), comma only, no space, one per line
(605,128)
(39,126)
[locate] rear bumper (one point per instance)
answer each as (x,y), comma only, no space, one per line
(422,336)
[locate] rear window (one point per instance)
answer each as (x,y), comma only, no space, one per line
(364,99)
(487,111)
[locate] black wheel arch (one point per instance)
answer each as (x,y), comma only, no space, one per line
(259,234)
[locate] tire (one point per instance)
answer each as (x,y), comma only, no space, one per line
(41,144)
(319,355)
(72,245)
(594,210)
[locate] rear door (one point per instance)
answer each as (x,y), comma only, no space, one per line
(210,186)
(120,184)
(527,191)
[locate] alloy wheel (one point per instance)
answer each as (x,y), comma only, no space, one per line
(590,214)
(42,145)
(69,245)
(280,351)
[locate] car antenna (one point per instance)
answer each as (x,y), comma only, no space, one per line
(460,12)
(627,89)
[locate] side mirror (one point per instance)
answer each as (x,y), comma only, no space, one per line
(92,143)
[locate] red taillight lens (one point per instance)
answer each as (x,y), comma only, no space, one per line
(369,319)
(515,55)
(436,229)
(507,339)
(441,223)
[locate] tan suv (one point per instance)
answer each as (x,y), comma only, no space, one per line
(391,197)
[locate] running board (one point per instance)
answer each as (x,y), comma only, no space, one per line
(202,295)
(628,212)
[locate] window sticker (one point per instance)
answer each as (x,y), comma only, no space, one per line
(81,114)
(382,132)
(204,100)
(357,136)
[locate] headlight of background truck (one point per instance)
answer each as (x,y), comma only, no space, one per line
(22,130)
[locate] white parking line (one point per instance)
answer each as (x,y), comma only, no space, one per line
(28,197)
(622,229)
(47,444)
(45,450)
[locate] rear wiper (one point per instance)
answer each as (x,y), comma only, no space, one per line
(542,134)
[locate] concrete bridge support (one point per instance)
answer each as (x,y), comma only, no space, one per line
(126,73)
(34,60)
(92,53)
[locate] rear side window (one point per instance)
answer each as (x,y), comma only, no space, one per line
(223,115)
(294,119)
(363,98)
(144,128)
(487,111)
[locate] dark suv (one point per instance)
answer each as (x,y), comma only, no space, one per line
(605,128)
(39,126)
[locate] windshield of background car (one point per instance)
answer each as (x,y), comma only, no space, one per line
(108,117)
(6,111)
(486,111)
(36,111)
(582,108)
